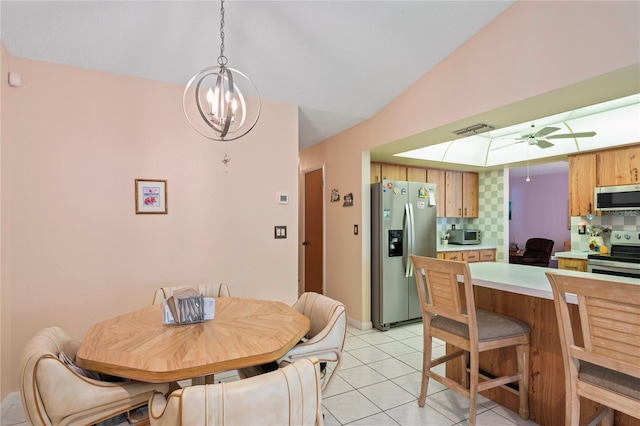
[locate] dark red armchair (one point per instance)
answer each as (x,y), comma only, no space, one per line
(537,253)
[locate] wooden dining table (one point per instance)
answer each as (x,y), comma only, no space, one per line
(243,333)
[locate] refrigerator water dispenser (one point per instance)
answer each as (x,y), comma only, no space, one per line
(395,242)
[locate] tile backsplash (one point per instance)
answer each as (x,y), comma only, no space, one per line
(617,221)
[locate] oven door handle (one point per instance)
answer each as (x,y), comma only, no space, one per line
(614,264)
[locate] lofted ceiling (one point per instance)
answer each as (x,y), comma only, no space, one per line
(339,61)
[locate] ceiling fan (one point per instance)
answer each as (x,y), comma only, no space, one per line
(535,136)
(538,136)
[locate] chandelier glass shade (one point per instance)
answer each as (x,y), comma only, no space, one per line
(220,102)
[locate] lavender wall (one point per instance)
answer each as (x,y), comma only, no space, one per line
(539,208)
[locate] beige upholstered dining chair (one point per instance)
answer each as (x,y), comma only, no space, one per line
(606,367)
(207,290)
(453,318)
(286,396)
(54,394)
(325,339)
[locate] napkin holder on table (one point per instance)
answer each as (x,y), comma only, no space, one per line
(186,306)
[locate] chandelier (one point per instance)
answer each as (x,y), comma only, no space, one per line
(220,102)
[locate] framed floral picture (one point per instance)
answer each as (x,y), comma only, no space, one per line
(151,196)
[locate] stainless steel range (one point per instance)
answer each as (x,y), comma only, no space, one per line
(623,259)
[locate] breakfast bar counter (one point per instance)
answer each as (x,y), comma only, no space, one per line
(524,292)
(526,280)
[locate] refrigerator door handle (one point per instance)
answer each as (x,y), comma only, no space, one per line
(410,233)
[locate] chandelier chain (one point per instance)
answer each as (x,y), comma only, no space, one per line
(222,59)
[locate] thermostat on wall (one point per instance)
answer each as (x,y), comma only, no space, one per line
(283,198)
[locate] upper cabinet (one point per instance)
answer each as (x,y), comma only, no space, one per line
(456,192)
(416,174)
(461,194)
(582,181)
(380,171)
(376,172)
(618,166)
(470,194)
(394,172)
(602,168)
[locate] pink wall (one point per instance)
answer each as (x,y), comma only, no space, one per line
(540,208)
(75,252)
(530,50)
(5,294)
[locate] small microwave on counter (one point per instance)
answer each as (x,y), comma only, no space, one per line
(464,236)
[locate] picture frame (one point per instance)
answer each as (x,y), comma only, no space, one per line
(348,200)
(151,196)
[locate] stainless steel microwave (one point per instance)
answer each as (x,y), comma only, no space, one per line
(464,236)
(622,197)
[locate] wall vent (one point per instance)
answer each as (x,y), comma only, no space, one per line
(474,129)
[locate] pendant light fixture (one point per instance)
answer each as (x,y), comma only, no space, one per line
(220,102)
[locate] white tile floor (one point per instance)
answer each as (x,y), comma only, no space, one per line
(378,384)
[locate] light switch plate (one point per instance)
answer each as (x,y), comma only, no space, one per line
(280,232)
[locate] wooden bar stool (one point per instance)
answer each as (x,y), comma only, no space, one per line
(606,368)
(452,318)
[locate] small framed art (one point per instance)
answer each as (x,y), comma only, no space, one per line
(151,196)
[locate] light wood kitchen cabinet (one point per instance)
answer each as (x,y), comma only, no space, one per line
(572,264)
(393,171)
(582,182)
(376,172)
(438,177)
(416,174)
(461,194)
(470,194)
(471,256)
(486,255)
(453,194)
(380,171)
(618,166)
(453,255)
(456,192)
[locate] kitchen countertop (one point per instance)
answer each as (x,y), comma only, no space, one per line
(461,247)
(572,254)
(527,280)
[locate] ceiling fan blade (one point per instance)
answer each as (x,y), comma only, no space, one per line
(543,143)
(573,135)
(545,131)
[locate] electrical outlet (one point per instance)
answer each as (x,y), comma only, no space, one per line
(280,232)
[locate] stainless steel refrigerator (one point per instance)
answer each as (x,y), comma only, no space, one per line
(403,222)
